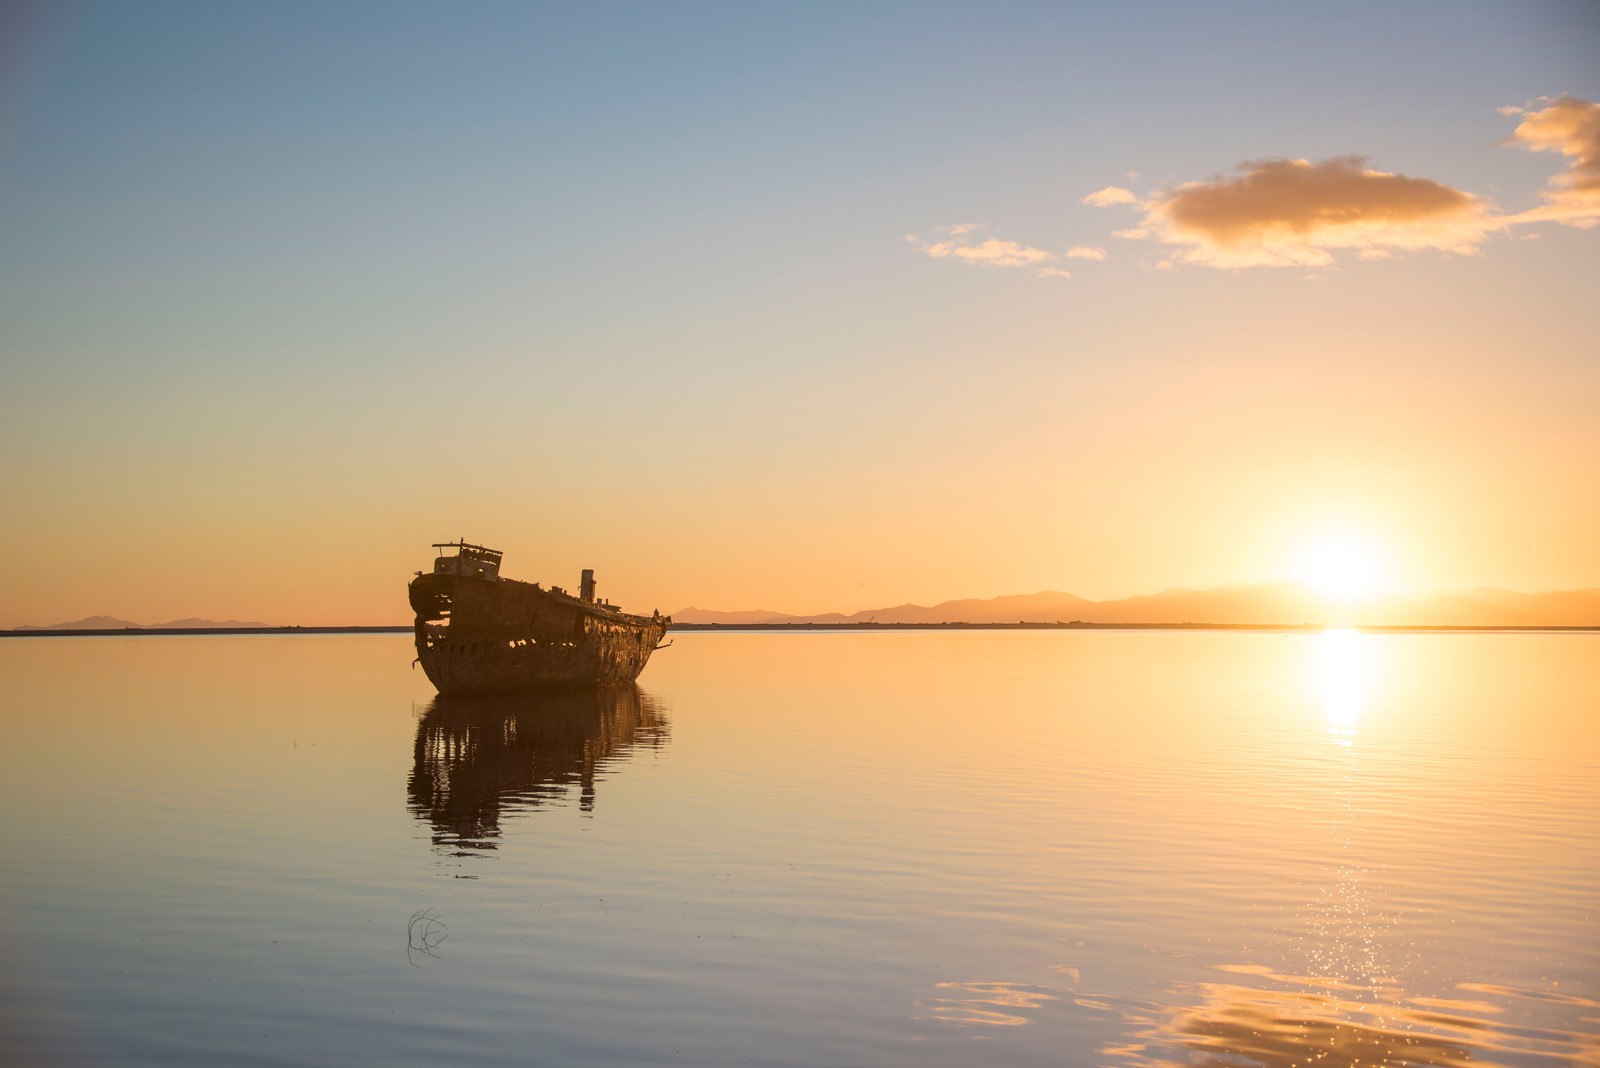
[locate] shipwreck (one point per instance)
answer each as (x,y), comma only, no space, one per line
(478,632)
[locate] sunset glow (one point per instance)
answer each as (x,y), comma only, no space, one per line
(1340,566)
(805,309)
(1054,535)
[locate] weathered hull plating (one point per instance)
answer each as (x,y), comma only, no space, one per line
(480,635)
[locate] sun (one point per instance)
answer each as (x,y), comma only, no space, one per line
(1339,566)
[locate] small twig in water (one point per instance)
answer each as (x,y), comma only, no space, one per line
(423,934)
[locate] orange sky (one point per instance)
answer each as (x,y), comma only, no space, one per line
(808,312)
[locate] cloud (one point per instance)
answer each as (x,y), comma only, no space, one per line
(1570,127)
(1292,212)
(1111,194)
(991,252)
(1296,213)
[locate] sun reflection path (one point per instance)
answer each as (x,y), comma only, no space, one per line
(1349,1003)
(1344,675)
(1346,918)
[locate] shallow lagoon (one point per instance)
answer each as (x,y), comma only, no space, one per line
(878,848)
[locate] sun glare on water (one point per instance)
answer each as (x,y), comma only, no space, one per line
(1339,567)
(1344,662)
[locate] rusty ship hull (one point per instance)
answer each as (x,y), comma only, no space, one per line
(478,633)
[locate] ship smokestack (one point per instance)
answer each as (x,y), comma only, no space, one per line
(586,589)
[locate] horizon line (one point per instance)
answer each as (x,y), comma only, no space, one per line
(864,625)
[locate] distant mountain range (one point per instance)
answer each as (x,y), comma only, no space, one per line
(1285,603)
(1269,603)
(112,623)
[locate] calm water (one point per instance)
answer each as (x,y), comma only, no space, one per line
(945,848)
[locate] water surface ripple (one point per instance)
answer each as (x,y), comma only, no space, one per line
(900,849)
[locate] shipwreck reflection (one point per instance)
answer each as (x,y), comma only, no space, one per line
(479,759)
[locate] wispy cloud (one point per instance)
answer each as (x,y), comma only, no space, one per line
(1299,213)
(1571,127)
(961,244)
(1052,272)
(992,253)
(1086,252)
(1111,194)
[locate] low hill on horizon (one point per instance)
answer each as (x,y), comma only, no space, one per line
(1284,603)
(113,623)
